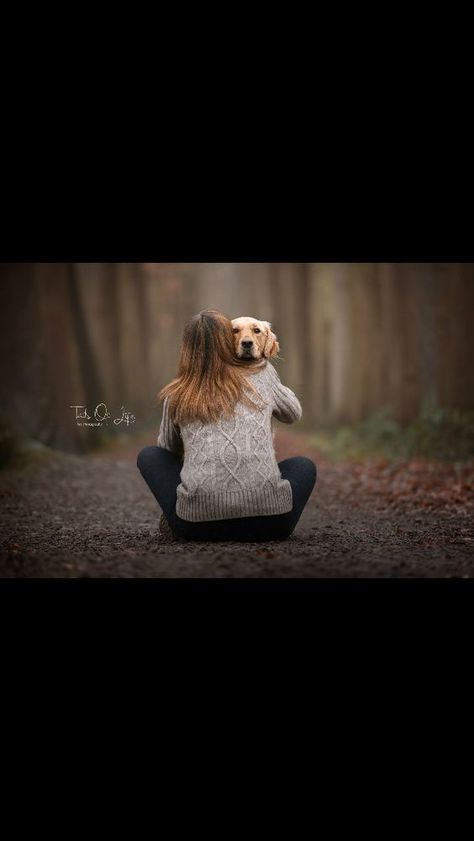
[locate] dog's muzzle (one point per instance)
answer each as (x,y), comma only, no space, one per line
(246,349)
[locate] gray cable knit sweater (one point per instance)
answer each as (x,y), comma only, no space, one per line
(229,467)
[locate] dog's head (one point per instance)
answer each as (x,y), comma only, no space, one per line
(254,339)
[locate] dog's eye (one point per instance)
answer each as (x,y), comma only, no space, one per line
(235,330)
(257,330)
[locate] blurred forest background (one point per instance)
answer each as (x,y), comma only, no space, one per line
(383,350)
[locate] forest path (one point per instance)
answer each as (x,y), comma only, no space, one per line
(93,516)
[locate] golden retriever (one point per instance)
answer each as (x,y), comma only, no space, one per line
(254,339)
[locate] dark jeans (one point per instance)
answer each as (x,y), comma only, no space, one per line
(161,470)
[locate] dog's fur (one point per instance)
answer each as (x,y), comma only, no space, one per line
(264,341)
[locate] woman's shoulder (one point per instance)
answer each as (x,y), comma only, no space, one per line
(265,374)
(264,369)
(264,379)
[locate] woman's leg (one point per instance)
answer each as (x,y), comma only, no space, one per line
(161,470)
(301,473)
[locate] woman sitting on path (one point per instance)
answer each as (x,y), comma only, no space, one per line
(214,471)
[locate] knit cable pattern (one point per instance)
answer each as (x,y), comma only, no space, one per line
(230,468)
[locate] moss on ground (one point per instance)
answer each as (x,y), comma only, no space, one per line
(446,434)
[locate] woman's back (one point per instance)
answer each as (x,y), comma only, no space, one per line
(229,468)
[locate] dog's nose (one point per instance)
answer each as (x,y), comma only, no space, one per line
(247,345)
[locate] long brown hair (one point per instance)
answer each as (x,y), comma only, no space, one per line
(211,379)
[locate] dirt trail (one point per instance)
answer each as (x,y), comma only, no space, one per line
(93,516)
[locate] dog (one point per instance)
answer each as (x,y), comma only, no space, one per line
(254,339)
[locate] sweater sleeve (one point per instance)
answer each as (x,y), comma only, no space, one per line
(286,406)
(169,436)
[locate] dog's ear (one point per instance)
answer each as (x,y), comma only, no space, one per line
(271,346)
